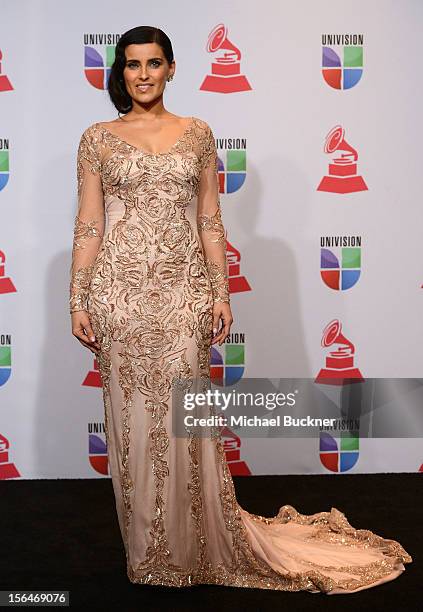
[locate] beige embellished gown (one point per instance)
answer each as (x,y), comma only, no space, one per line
(148,262)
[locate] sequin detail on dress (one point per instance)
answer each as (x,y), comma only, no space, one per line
(149,264)
(83,231)
(89,222)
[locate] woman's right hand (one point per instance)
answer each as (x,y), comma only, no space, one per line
(81,329)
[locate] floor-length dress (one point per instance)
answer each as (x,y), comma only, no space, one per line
(148,273)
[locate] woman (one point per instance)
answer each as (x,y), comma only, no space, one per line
(147,295)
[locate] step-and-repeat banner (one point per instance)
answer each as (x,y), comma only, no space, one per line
(315,107)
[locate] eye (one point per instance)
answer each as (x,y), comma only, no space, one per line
(132,64)
(156,62)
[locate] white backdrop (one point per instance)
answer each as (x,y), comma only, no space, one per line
(275,219)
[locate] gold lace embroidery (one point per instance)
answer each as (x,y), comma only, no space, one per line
(91,208)
(212,223)
(79,288)
(209,153)
(83,231)
(219,281)
(246,570)
(148,294)
(88,151)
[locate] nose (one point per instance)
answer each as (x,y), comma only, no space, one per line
(143,73)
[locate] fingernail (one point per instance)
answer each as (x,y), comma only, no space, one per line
(214,330)
(92,338)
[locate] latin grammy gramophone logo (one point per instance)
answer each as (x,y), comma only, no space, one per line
(225,74)
(339,369)
(342,175)
(93,378)
(232,448)
(6,284)
(237,282)
(99,55)
(5,84)
(7,468)
(342,60)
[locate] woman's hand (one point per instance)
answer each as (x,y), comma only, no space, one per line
(221,310)
(81,329)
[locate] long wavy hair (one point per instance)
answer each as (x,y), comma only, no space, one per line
(139,35)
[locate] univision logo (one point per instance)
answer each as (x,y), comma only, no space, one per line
(99,55)
(227,363)
(233,172)
(340,266)
(4,162)
(342,59)
(339,454)
(5,358)
(97,448)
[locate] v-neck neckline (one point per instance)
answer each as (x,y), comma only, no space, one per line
(144,151)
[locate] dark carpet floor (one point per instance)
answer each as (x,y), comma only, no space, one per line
(63,534)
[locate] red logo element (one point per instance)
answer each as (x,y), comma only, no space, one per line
(100,464)
(5,84)
(232,448)
(6,285)
(7,469)
(237,283)
(339,368)
(225,74)
(342,177)
(93,378)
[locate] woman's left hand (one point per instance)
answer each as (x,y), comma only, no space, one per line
(221,310)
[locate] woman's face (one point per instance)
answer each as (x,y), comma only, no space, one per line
(146,70)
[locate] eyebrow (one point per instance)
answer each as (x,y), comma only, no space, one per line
(137,60)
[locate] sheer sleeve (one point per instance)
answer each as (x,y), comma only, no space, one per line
(209,221)
(89,221)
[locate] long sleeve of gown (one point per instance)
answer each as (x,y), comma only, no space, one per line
(89,220)
(209,221)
